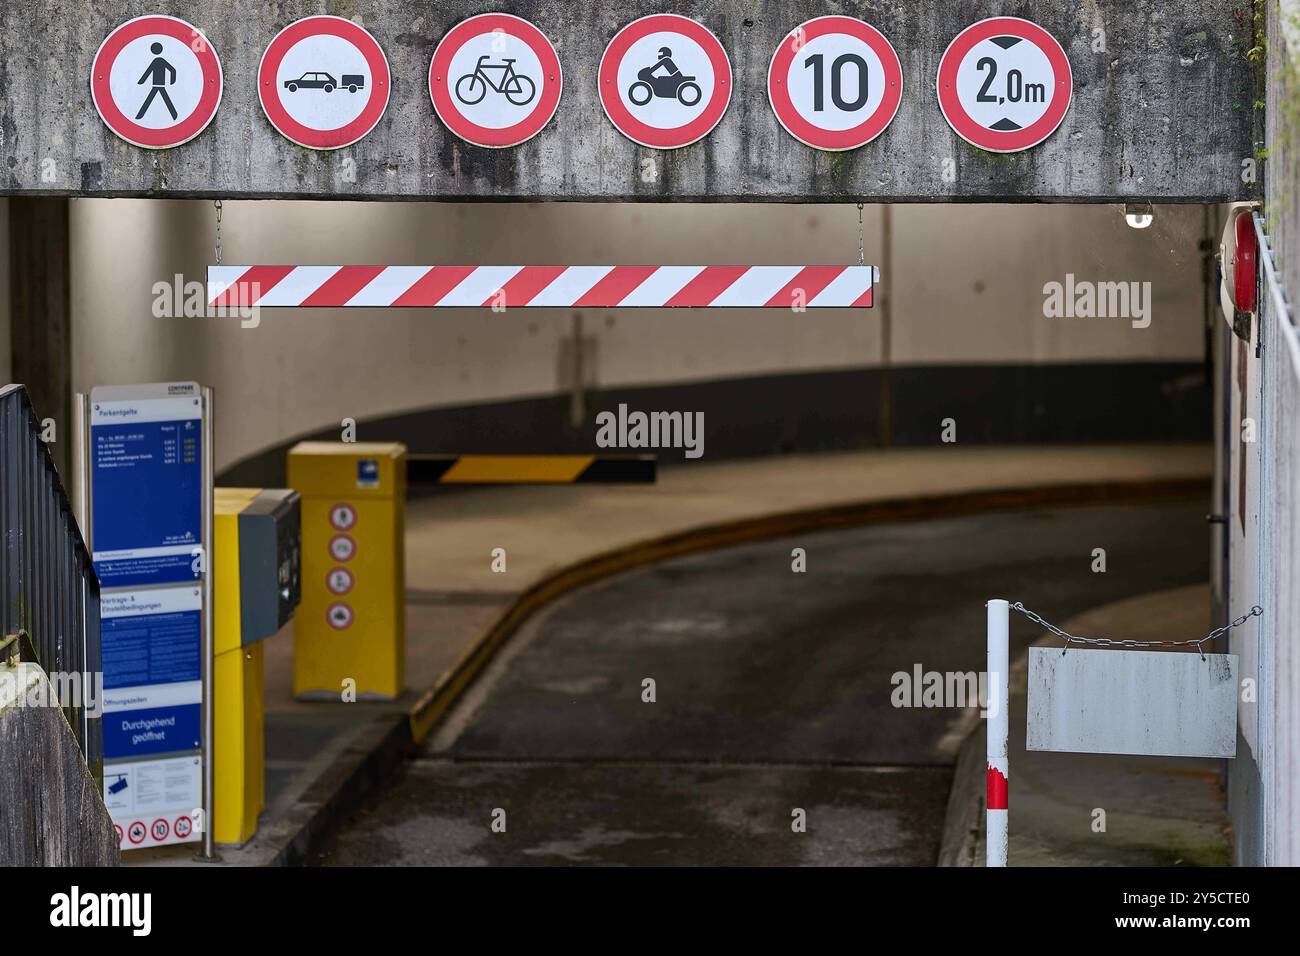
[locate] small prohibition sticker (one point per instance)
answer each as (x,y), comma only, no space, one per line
(342,547)
(339,615)
(339,581)
(835,83)
(183,826)
(664,81)
(156,82)
(495,80)
(343,516)
(324,82)
(136,832)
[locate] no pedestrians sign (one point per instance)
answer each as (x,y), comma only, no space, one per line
(156,82)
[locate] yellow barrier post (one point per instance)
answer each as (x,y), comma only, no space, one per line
(256,578)
(350,634)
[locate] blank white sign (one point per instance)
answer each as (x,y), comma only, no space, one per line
(1132,702)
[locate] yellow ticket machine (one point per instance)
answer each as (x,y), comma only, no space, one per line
(350,634)
(256,586)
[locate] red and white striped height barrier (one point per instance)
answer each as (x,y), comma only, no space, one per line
(502,287)
(995,786)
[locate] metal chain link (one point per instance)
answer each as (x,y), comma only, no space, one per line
(1255,611)
(217,203)
(862,251)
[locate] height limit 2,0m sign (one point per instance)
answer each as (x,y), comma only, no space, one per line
(1004,84)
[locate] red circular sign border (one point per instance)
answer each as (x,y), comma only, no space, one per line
(305,136)
(352,615)
(335,507)
(864,132)
(176,826)
(652,136)
(526,128)
(1018,140)
(142,136)
(350,540)
(134,841)
(352,581)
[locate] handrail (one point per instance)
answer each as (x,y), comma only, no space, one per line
(1277,295)
(49,593)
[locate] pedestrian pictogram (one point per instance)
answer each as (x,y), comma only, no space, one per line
(136,832)
(323,82)
(835,83)
(339,581)
(1004,84)
(665,81)
(156,82)
(495,80)
(339,615)
(343,517)
(342,547)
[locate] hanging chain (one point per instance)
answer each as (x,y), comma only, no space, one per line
(217,203)
(862,253)
(1255,611)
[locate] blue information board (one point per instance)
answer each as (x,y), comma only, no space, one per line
(152,637)
(146,474)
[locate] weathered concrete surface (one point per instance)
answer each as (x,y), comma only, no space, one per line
(51,811)
(649,815)
(1164,113)
(774,690)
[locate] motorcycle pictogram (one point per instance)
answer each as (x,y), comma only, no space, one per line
(671,85)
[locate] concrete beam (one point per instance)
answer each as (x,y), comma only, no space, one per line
(1164,112)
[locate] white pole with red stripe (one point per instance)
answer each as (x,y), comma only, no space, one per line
(508,287)
(995,786)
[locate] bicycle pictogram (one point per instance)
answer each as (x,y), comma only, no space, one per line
(517,88)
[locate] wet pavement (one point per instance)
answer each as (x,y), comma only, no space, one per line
(773,697)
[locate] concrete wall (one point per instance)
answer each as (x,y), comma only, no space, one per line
(967,290)
(51,811)
(1161,109)
(6,367)
(1264,790)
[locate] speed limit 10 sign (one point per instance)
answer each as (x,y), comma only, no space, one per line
(1004,84)
(835,83)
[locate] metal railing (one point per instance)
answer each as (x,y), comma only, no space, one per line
(49,594)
